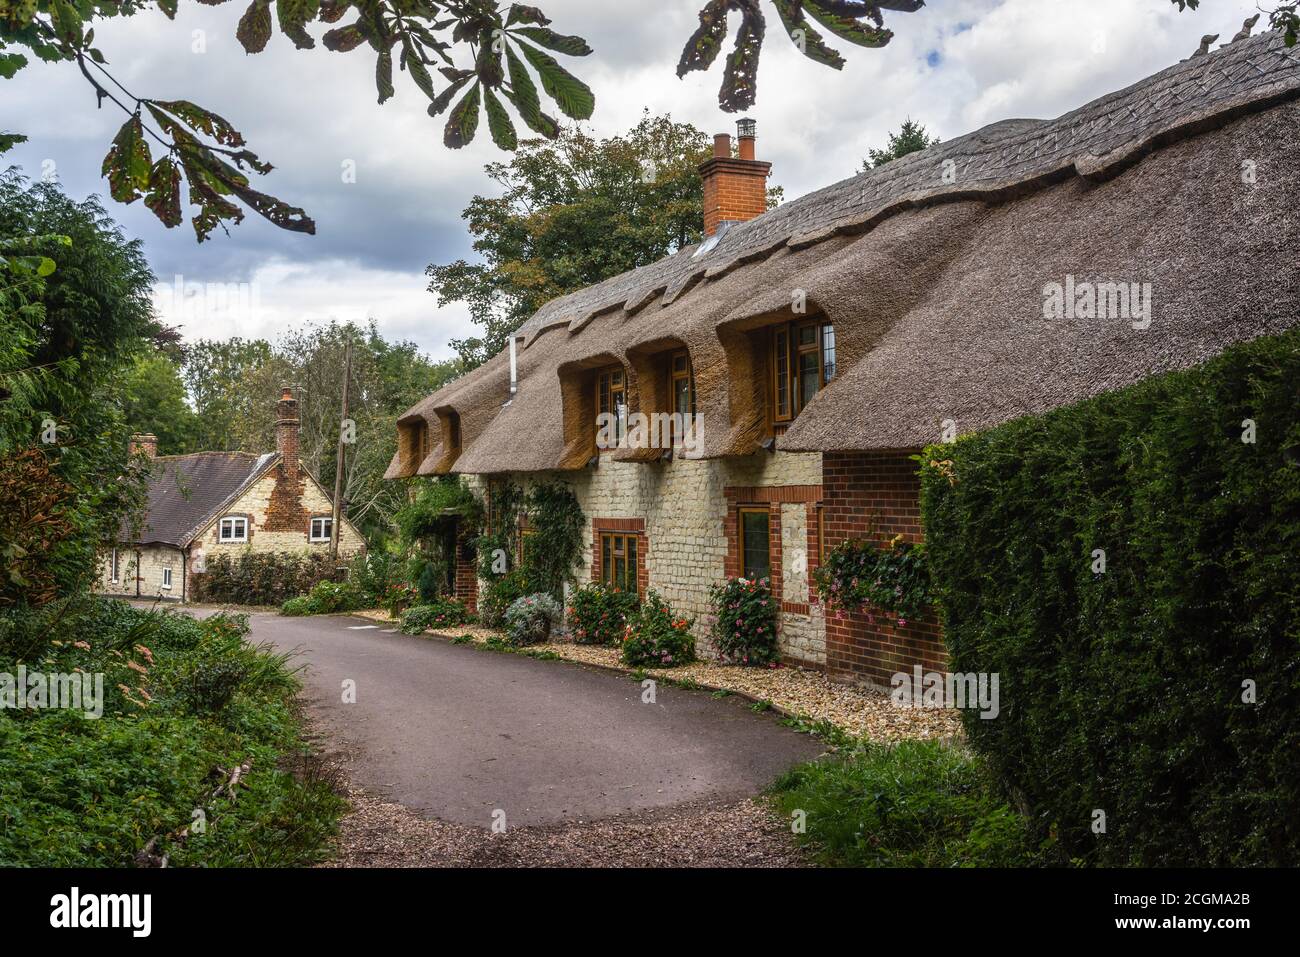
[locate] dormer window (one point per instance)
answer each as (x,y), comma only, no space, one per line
(611,406)
(803,361)
(453,431)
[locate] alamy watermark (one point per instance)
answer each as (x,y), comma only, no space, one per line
(679,431)
(76,691)
(934,689)
(1128,301)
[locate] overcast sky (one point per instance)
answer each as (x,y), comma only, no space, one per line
(955,66)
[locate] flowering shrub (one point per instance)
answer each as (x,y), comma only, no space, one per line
(655,636)
(442,613)
(895,578)
(598,614)
(529,619)
(745,631)
(399,597)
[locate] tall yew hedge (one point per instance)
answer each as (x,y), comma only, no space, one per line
(1122,690)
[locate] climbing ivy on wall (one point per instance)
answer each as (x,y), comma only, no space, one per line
(551,526)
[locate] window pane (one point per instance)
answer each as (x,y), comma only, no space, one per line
(631,563)
(756,563)
(828,352)
(620,571)
(679,363)
(682,396)
(604,558)
(807,335)
(782,363)
(809,382)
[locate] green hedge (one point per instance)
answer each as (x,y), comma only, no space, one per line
(1121,691)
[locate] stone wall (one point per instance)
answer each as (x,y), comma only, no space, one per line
(145,563)
(683,507)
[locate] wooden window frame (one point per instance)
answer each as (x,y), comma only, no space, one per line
(741,512)
(785,350)
(631,555)
(606,390)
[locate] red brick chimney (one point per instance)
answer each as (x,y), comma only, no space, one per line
(145,442)
(734,189)
(286,432)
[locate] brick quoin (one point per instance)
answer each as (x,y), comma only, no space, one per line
(875,494)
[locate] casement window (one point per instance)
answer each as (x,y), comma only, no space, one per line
(167,578)
(802,361)
(117,570)
(755,543)
(321,528)
(233,528)
(611,399)
(618,560)
(681,389)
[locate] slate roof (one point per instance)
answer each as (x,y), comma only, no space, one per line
(186,492)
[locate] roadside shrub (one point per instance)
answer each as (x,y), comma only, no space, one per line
(400,596)
(372,575)
(910,804)
(655,636)
(598,615)
(529,619)
(499,596)
(745,630)
(440,614)
(1130,567)
(260,578)
(894,578)
(326,598)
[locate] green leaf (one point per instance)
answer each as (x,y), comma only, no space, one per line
(164,196)
(519,13)
(443,99)
(384,74)
(525,98)
(202,121)
(46,267)
(806,39)
(9,140)
(127,163)
(419,72)
(573,97)
(573,46)
(849,28)
(462,124)
(704,45)
(541,123)
(499,125)
(740,78)
(294,15)
(254,30)
(11,63)
(168,7)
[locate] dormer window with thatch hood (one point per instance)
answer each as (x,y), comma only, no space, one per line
(801,361)
(413,445)
(611,400)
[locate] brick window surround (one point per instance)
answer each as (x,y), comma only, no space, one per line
(774,496)
(625,526)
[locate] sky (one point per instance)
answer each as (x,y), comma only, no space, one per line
(954,66)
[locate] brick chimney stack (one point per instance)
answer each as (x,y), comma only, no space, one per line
(286,432)
(734,189)
(145,442)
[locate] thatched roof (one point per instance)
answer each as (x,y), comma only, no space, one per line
(935,283)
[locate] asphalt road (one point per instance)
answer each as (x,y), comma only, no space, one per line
(458,733)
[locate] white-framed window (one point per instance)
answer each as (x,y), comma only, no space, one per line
(167,578)
(321,527)
(117,570)
(234,528)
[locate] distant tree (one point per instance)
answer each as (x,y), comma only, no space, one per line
(571,213)
(910,138)
(153,398)
(214,374)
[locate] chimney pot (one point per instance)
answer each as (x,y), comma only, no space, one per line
(722,146)
(735,188)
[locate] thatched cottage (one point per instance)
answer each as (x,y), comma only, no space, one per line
(206,503)
(1026,265)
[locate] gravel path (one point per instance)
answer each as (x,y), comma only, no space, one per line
(738,834)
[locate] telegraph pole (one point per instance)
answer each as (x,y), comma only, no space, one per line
(338,466)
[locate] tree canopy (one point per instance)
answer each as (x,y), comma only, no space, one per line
(571,213)
(910,138)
